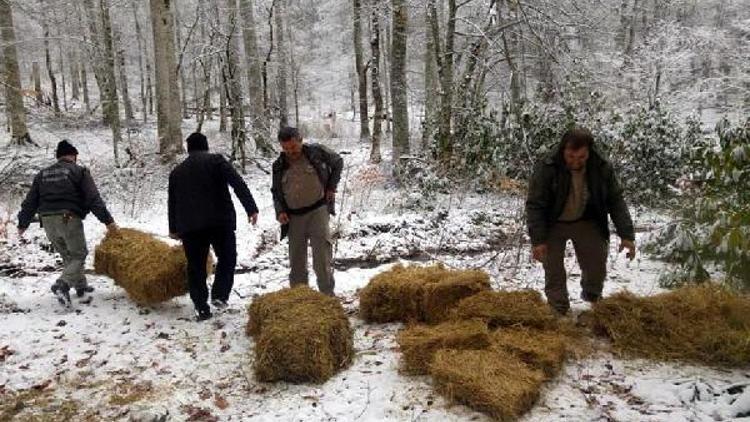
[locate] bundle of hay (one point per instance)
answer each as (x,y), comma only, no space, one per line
(417,293)
(301,336)
(492,381)
(441,297)
(419,343)
(507,308)
(148,269)
(706,324)
(544,350)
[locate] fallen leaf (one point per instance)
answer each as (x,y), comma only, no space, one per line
(220,402)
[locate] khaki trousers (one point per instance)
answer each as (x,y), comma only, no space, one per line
(591,251)
(311,228)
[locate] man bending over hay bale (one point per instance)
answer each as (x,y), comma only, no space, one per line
(148,269)
(63,194)
(201,214)
(417,293)
(301,336)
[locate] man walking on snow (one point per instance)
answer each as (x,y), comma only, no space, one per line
(571,194)
(63,194)
(305,178)
(201,214)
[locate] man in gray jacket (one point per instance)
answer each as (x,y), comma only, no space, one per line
(63,194)
(305,178)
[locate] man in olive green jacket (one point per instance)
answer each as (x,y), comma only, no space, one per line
(571,194)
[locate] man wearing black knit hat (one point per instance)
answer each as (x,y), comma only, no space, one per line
(62,194)
(201,214)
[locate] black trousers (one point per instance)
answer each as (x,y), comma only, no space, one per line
(196,246)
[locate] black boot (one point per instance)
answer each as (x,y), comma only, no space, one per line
(80,291)
(62,291)
(202,314)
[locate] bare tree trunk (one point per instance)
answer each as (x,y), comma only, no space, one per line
(385,44)
(85,86)
(113,104)
(62,74)
(124,92)
(281,62)
(430,89)
(35,76)
(295,74)
(364,127)
(141,76)
(17,113)
(258,120)
(50,71)
(377,132)
(444,58)
(168,101)
(75,79)
(400,21)
(222,103)
(178,46)
(233,86)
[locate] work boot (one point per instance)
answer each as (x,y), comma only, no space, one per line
(80,291)
(61,291)
(202,314)
(219,303)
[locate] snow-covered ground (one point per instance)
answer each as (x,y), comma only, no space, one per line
(114,360)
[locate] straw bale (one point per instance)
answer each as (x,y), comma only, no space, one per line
(441,297)
(706,324)
(302,336)
(420,342)
(276,303)
(414,292)
(397,294)
(150,271)
(507,308)
(491,381)
(539,349)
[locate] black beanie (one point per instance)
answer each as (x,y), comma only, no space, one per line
(65,148)
(197,142)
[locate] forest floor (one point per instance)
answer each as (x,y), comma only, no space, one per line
(114,360)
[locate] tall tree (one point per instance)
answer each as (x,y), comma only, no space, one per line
(50,71)
(110,93)
(258,119)
(377,97)
(19,132)
(281,62)
(167,94)
(430,87)
(361,69)
(123,73)
(232,85)
(400,21)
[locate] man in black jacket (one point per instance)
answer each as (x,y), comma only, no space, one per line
(201,214)
(305,178)
(571,195)
(63,194)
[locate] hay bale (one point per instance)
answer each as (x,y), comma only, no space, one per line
(270,305)
(441,297)
(302,336)
(397,294)
(491,381)
(150,271)
(416,293)
(706,324)
(539,349)
(507,308)
(420,342)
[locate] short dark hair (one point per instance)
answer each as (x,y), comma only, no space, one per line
(577,138)
(197,142)
(286,133)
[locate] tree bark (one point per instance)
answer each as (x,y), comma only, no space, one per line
(141,76)
(112,102)
(444,58)
(17,114)
(167,94)
(399,85)
(50,71)
(36,77)
(281,62)
(258,120)
(361,70)
(377,97)
(430,88)
(233,85)
(123,73)
(181,72)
